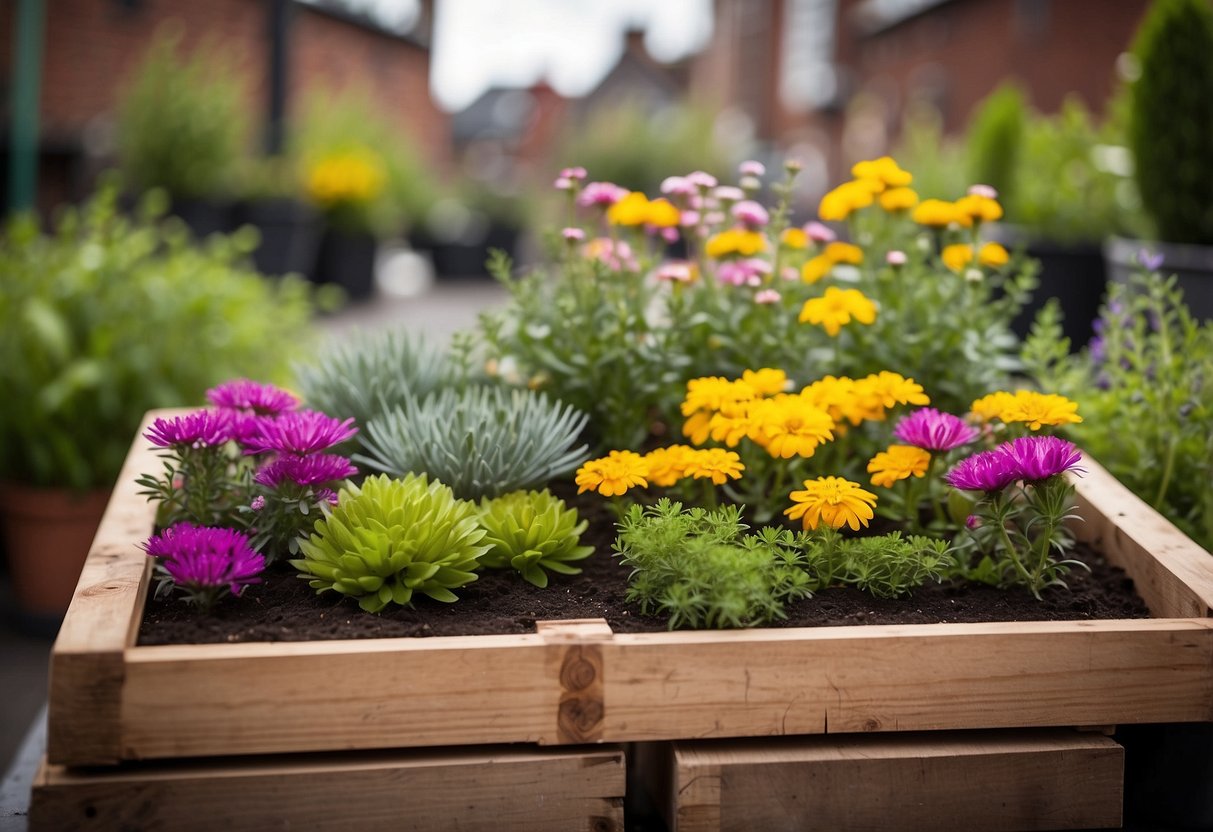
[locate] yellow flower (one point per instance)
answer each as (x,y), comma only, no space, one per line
(794,238)
(732,423)
(834,501)
(977,208)
(614,474)
(713,393)
(837,308)
(750,243)
(843,253)
(789,426)
(815,268)
(833,395)
(938,214)
(898,199)
(715,464)
(847,198)
(957,256)
(990,407)
(893,389)
(664,214)
(885,172)
(668,465)
(698,427)
(735,241)
(632,209)
(899,462)
(1039,409)
(993,255)
(766,381)
(352,176)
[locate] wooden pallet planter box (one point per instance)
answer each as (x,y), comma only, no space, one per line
(577,682)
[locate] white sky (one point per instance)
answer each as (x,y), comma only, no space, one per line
(483,43)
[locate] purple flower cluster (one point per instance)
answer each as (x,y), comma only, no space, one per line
(1030,458)
(252,397)
(316,469)
(206,558)
(299,433)
(932,430)
(200,429)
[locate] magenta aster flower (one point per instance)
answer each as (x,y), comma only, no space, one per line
(305,470)
(243,394)
(934,431)
(987,471)
(600,194)
(203,557)
(200,429)
(301,432)
(1040,457)
(576,173)
(750,214)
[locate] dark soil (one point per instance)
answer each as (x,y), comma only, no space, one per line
(285,608)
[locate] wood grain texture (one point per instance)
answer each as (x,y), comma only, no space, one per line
(907,678)
(483,789)
(575,658)
(1171,572)
(978,781)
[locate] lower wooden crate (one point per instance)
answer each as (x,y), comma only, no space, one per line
(975,781)
(485,788)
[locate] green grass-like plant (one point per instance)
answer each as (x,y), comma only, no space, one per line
(388,539)
(995,140)
(532,532)
(481,441)
(887,565)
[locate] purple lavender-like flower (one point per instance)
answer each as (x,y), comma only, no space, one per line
(987,471)
(1150,261)
(934,431)
(243,394)
(204,557)
(200,429)
(305,470)
(301,432)
(1040,457)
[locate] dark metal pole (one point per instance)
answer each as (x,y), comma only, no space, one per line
(279,43)
(27,84)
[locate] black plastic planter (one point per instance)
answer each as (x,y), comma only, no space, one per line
(1075,275)
(347,259)
(290,235)
(205,216)
(1191,264)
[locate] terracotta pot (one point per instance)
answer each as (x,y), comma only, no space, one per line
(47,534)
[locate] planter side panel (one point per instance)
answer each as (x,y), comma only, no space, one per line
(979,781)
(490,789)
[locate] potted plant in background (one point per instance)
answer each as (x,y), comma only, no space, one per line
(104,318)
(273,202)
(1171,136)
(182,127)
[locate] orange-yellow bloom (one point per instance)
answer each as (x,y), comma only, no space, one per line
(844,200)
(978,208)
(993,255)
(844,253)
(632,209)
(668,465)
(765,381)
(789,426)
(833,500)
(897,463)
(957,256)
(794,238)
(663,214)
(939,214)
(884,172)
(735,241)
(815,268)
(715,464)
(898,199)
(614,474)
(837,308)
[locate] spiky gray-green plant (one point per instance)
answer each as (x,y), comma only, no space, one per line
(532,531)
(373,374)
(481,441)
(388,539)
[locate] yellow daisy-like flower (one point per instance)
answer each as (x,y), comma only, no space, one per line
(837,308)
(663,214)
(815,268)
(713,393)
(937,213)
(698,427)
(355,176)
(844,200)
(1039,409)
(898,199)
(894,389)
(735,241)
(789,426)
(632,209)
(750,243)
(668,465)
(957,256)
(614,474)
(844,253)
(990,407)
(766,381)
(833,395)
(884,171)
(898,463)
(715,464)
(732,423)
(794,238)
(833,500)
(993,255)
(977,208)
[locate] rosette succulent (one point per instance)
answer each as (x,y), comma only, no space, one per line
(389,538)
(532,531)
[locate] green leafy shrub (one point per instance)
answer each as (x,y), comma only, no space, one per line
(182,123)
(481,441)
(388,539)
(1171,126)
(111,316)
(995,139)
(530,532)
(371,375)
(890,566)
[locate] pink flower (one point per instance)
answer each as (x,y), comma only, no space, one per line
(767,296)
(676,271)
(819,233)
(751,214)
(987,471)
(615,254)
(752,168)
(932,430)
(743,272)
(573,235)
(258,503)
(689,218)
(300,433)
(563,183)
(701,180)
(600,195)
(670,235)
(315,469)
(576,174)
(983,190)
(895,258)
(201,557)
(727,193)
(243,394)
(200,429)
(1040,457)
(678,186)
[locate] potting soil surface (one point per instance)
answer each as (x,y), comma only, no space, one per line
(285,608)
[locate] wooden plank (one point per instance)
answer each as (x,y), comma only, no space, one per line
(906,678)
(1173,575)
(86,666)
(485,789)
(575,660)
(979,781)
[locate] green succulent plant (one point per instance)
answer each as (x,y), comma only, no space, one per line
(481,441)
(532,531)
(388,539)
(371,375)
